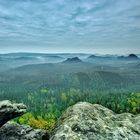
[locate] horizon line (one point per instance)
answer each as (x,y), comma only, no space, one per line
(27,52)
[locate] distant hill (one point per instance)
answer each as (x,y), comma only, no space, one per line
(40,59)
(25,58)
(54,56)
(93,56)
(129,57)
(132,56)
(99,57)
(72,60)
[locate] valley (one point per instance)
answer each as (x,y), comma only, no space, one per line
(49,83)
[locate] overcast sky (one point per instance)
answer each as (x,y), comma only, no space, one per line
(95,26)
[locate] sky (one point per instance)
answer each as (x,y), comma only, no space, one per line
(95,26)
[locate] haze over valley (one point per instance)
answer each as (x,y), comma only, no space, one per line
(69,69)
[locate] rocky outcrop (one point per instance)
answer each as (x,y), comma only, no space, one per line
(85,121)
(12,131)
(10,110)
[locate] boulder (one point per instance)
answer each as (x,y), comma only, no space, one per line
(85,121)
(13,131)
(10,110)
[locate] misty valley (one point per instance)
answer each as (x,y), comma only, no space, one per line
(49,83)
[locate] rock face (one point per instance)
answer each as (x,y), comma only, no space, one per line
(10,131)
(9,111)
(85,121)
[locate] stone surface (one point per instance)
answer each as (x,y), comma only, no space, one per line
(10,110)
(85,121)
(11,131)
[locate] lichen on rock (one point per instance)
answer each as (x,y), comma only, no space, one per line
(85,121)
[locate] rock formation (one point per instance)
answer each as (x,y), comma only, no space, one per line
(9,111)
(11,131)
(85,121)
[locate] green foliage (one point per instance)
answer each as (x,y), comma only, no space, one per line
(25,118)
(46,123)
(57,104)
(134,103)
(48,90)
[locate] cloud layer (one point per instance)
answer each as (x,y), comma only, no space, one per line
(70,25)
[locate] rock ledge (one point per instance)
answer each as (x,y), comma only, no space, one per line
(12,131)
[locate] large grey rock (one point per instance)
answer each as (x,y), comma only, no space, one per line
(11,131)
(85,121)
(10,110)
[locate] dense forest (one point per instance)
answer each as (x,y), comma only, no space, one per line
(49,88)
